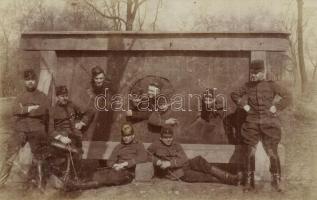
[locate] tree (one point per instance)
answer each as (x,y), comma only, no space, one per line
(301,60)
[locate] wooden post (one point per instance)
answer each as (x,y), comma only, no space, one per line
(48,64)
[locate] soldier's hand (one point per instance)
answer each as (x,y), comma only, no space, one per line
(129,113)
(34,107)
(171,121)
(273,109)
(65,140)
(116,167)
(165,164)
(79,125)
(246,108)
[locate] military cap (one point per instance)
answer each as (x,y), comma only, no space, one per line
(60,90)
(167,132)
(29,74)
(257,66)
(127,129)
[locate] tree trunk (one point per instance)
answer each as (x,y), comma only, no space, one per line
(301,60)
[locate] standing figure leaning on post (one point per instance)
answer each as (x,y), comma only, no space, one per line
(30,109)
(261,100)
(171,162)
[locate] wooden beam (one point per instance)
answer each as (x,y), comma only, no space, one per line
(114,41)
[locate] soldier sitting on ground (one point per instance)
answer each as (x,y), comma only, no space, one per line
(120,166)
(170,161)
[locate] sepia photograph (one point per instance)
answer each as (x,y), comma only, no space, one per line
(158,99)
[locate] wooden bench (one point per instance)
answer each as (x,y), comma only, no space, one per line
(213,153)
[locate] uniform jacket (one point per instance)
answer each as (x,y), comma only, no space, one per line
(63,118)
(34,120)
(133,153)
(260,96)
(173,153)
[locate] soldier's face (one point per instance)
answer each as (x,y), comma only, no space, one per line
(167,140)
(99,80)
(257,76)
(209,101)
(153,91)
(128,139)
(62,99)
(30,84)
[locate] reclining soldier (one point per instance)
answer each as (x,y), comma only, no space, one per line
(120,166)
(171,162)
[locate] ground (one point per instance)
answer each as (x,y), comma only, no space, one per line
(299,177)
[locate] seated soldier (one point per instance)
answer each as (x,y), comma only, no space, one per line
(66,122)
(170,161)
(120,166)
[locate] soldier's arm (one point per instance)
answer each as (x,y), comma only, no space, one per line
(180,159)
(19,108)
(43,108)
(151,153)
(284,98)
(114,156)
(237,96)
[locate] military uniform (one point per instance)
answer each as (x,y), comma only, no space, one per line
(261,123)
(182,168)
(30,126)
(132,153)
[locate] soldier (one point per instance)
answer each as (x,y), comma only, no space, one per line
(143,104)
(66,123)
(120,166)
(170,161)
(261,100)
(99,128)
(30,110)
(67,119)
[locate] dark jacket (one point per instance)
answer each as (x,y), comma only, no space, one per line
(34,120)
(174,153)
(260,96)
(133,153)
(64,117)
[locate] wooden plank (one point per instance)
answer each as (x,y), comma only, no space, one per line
(213,153)
(156,42)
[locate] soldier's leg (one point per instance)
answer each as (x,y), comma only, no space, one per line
(101,178)
(193,176)
(250,135)
(14,144)
(271,139)
(201,165)
(40,149)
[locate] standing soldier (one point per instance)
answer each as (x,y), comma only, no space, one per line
(31,113)
(261,100)
(171,162)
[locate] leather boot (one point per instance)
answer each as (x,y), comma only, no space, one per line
(248,181)
(78,185)
(40,182)
(276,180)
(225,177)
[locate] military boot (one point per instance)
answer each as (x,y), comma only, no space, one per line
(248,184)
(225,177)
(72,185)
(40,180)
(276,183)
